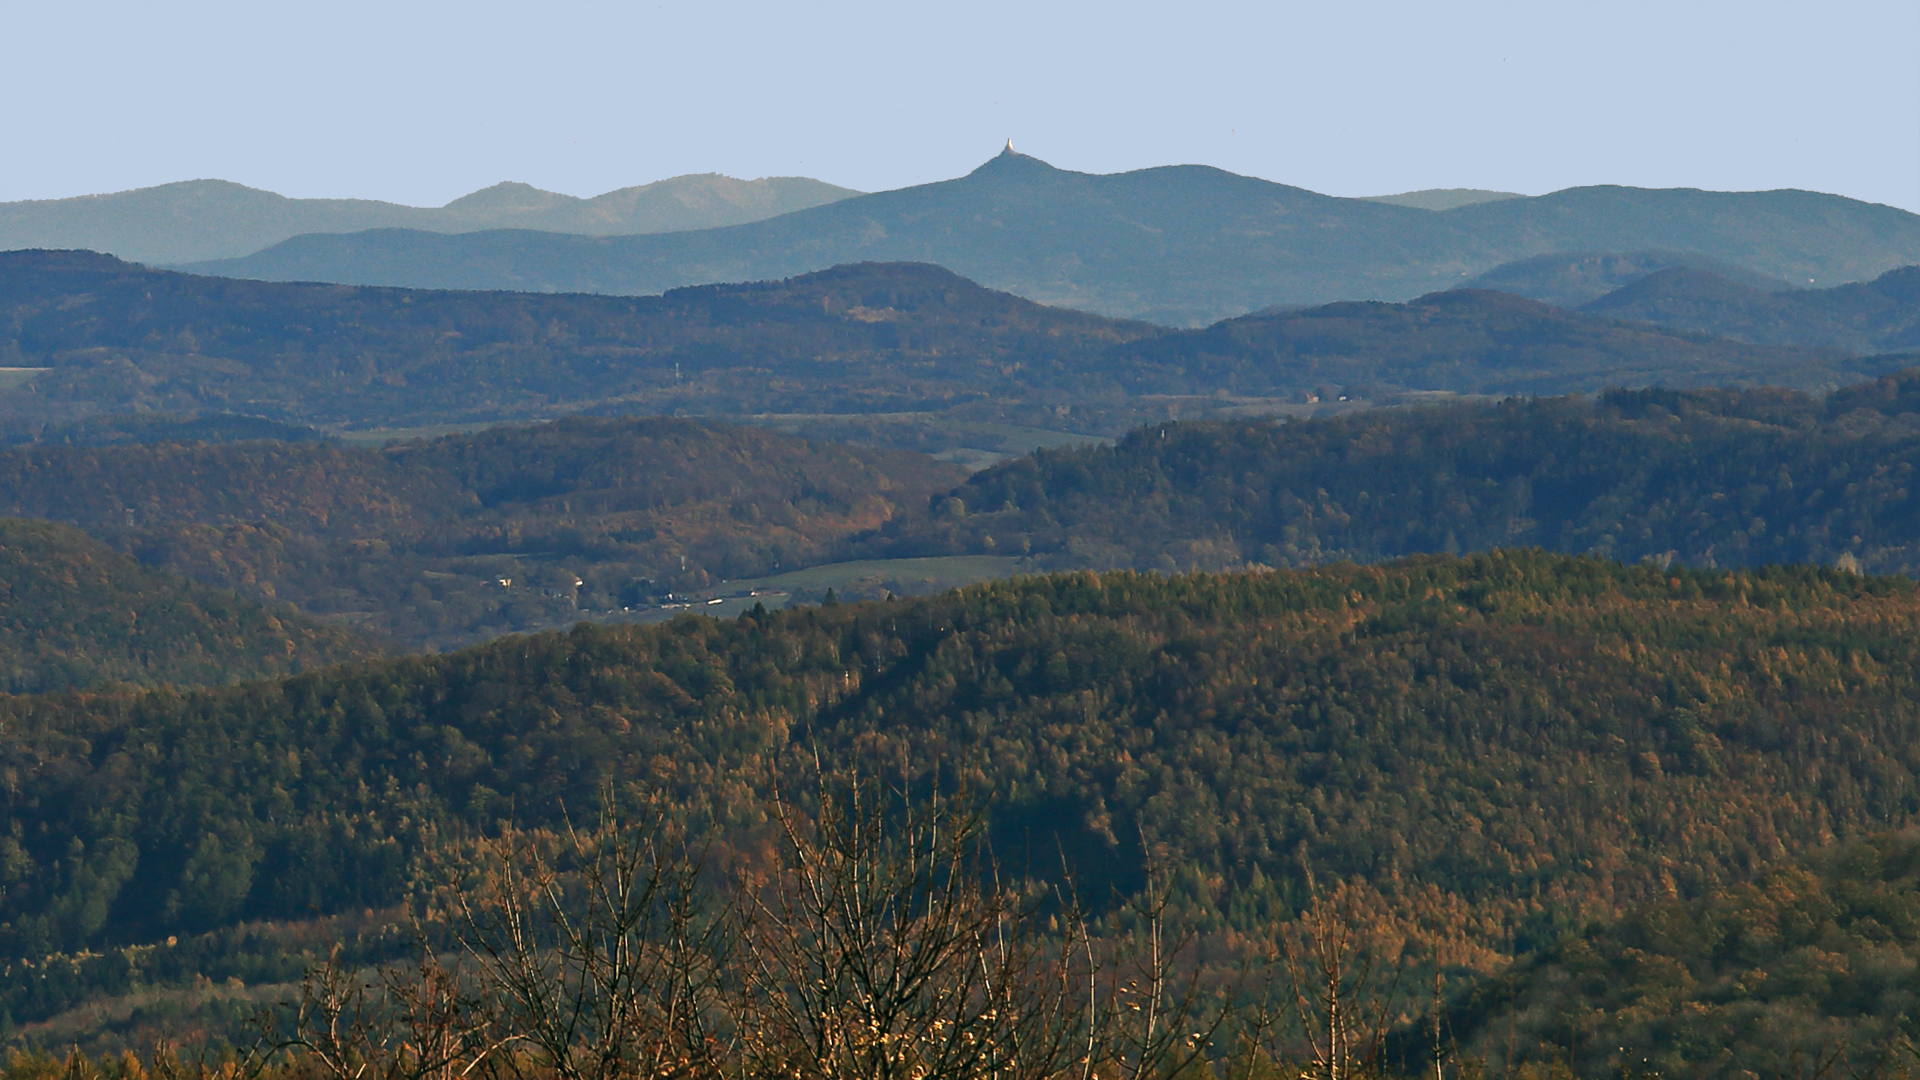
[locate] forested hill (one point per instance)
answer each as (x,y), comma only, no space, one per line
(121,338)
(1489,750)
(1184,245)
(1878,316)
(1466,341)
(858,340)
(1569,279)
(578,517)
(1729,478)
(75,613)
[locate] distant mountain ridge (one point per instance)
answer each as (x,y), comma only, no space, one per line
(1179,245)
(216,219)
(1878,316)
(1443,198)
(1568,279)
(854,340)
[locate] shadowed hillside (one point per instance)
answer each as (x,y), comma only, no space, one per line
(1570,279)
(121,338)
(837,351)
(75,613)
(1466,341)
(1878,316)
(1698,477)
(450,540)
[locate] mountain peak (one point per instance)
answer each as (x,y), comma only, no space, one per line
(509,195)
(1012,162)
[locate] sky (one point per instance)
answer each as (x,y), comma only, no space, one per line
(422,102)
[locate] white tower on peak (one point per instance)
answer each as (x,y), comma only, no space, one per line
(1010,148)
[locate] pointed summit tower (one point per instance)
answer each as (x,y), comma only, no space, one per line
(1012,163)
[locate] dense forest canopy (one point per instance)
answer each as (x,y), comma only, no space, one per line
(415,539)
(1728,478)
(1562,738)
(75,613)
(1809,965)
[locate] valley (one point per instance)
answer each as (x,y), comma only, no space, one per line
(1174,574)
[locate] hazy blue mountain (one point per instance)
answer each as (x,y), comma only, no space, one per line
(1182,245)
(215,219)
(1878,316)
(1444,198)
(1465,341)
(1569,279)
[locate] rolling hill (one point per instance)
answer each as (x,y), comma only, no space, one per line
(1878,316)
(1444,198)
(1182,245)
(216,219)
(1488,756)
(75,614)
(87,335)
(1571,279)
(1464,341)
(451,540)
(1702,478)
(120,338)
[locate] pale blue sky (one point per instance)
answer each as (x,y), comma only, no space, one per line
(422,102)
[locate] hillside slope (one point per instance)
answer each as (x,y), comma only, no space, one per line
(1488,749)
(450,540)
(91,335)
(1570,279)
(215,219)
(121,338)
(1182,245)
(75,613)
(1878,316)
(1701,477)
(1465,341)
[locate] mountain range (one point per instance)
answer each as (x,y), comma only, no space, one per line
(1180,245)
(216,219)
(86,334)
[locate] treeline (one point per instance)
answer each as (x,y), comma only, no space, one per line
(1806,968)
(450,540)
(1705,478)
(1490,751)
(75,613)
